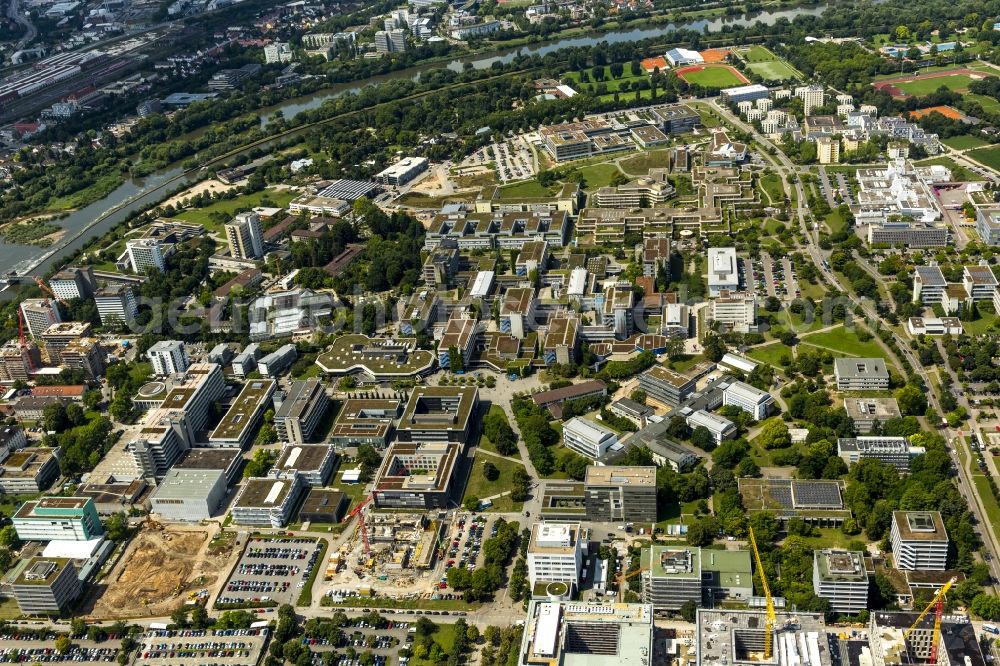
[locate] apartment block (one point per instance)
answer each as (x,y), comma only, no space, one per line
(73,282)
(116,305)
(145,254)
(245,237)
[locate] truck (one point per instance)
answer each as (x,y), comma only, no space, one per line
(992,628)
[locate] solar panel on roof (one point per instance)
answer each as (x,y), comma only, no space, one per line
(807,494)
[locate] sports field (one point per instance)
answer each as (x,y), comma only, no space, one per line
(946,111)
(988,156)
(925,83)
(964,142)
(712,76)
(766,65)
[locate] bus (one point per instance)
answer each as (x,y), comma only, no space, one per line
(992,628)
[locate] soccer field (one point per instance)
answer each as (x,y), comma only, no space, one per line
(922,87)
(772,70)
(710,76)
(758,54)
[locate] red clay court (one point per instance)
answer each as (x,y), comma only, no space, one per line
(712,76)
(714,55)
(650,64)
(946,111)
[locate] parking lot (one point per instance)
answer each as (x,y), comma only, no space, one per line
(384,642)
(270,570)
(513,159)
(466,538)
(208,648)
(31,649)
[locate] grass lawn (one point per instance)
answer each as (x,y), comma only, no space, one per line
(774,70)
(988,156)
(772,186)
(964,142)
(795,322)
(925,86)
(355,491)
(758,53)
(9,609)
(713,76)
(828,537)
(684,362)
(982,325)
(989,104)
(526,188)
(621,84)
(771,354)
(599,175)
(639,165)
(846,341)
(210,215)
(958,172)
(835,221)
(445,637)
(484,441)
(481,487)
(420,200)
(989,501)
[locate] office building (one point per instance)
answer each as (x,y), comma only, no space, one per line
(980,282)
(726,574)
(555,554)
(671,577)
(585,634)
(116,305)
(402,172)
(59,335)
(239,425)
(840,577)
(723,271)
(57,519)
(666,386)
(246,239)
(737,637)
(636,412)
(517,312)
(655,255)
(313,463)
(29,470)
(929,285)
(561,341)
(168,357)
(438,414)
(615,493)
(155,446)
(277,361)
(909,233)
(894,451)
(189,495)
(301,410)
(735,311)
(919,540)
(390,41)
(861,374)
(39,314)
(268,501)
(554,398)
(533,257)
(87,354)
(398,485)
(323,505)
(228,461)
(718,426)
(898,639)
(145,254)
(191,393)
(46,586)
(616,311)
(459,336)
(366,421)
(587,438)
(750,399)
(73,282)
(988,224)
(866,412)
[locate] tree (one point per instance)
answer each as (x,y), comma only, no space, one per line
(78,627)
(703,438)
(912,401)
(199,617)
(471,503)
(179,617)
(774,435)
(8,537)
(472,633)
(688,611)
(54,417)
(91,399)
(986,606)
(714,347)
(63,644)
(116,527)
(267,435)
(490,471)
(638,395)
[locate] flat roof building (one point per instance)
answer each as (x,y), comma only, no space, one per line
(167,357)
(366,421)
(268,501)
(861,374)
(919,540)
(46,585)
(723,270)
(866,412)
(586,634)
(314,463)
(555,554)
(894,451)
(323,505)
(737,637)
(720,427)
(438,414)
(588,438)
(666,386)
(748,398)
(671,577)
(229,461)
(189,495)
(416,475)
(239,426)
(58,519)
(29,470)
(840,577)
(891,643)
(617,493)
(301,411)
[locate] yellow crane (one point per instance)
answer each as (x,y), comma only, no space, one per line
(937,603)
(772,619)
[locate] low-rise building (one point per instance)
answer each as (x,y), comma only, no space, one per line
(278,361)
(929,285)
(719,427)
(46,586)
(588,438)
(578,634)
(894,451)
(189,495)
(735,311)
(840,577)
(748,398)
(861,374)
(554,398)
(29,470)
(313,463)
(866,412)
(988,224)
(323,505)
(636,412)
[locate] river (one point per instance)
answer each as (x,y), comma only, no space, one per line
(101,216)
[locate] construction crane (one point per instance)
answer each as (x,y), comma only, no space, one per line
(937,603)
(25,351)
(45,288)
(356,511)
(772,619)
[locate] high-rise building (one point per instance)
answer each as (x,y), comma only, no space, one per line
(59,335)
(73,282)
(168,357)
(39,314)
(144,254)
(85,354)
(278,52)
(116,305)
(919,540)
(246,240)
(828,150)
(58,519)
(300,411)
(555,553)
(17,362)
(840,577)
(390,41)
(811,96)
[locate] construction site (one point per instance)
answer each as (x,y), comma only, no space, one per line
(162,567)
(389,553)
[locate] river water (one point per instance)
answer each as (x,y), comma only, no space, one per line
(100,217)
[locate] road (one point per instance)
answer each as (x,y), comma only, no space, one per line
(21,18)
(875,321)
